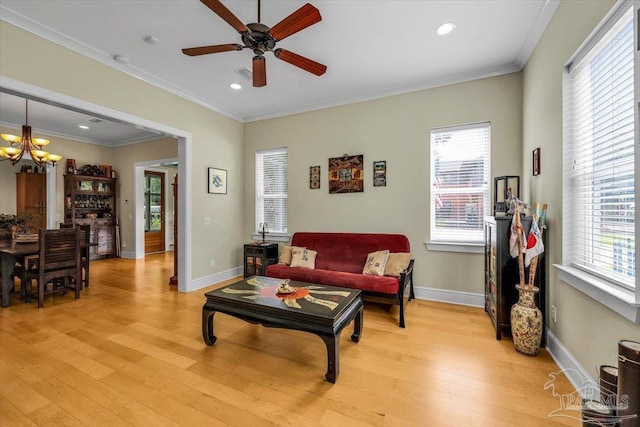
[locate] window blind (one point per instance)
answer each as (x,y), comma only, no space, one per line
(271,189)
(599,171)
(460,168)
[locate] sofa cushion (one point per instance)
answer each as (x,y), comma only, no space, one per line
(397,263)
(376,262)
(285,255)
(381,284)
(303,257)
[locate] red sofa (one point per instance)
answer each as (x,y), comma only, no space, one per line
(340,260)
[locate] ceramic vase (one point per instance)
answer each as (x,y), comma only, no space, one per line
(526,322)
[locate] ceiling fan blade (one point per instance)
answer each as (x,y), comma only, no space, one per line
(224,13)
(259,71)
(204,50)
(300,61)
(302,18)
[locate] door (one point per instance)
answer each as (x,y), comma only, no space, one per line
(31,200)
(154,236)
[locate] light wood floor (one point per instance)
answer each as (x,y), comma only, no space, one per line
(130,352)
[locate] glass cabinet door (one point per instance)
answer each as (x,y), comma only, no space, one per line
(104,187)
(84,185)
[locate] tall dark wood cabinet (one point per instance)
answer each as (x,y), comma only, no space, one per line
(502,274)
(31,198)
(91,200)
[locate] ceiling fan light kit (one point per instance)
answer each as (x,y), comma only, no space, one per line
(261,39)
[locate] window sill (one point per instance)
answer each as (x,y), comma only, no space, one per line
(271,237)
(471,248)
(622,301)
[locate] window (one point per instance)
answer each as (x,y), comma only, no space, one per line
(599,172)
(271,190)
(460,165)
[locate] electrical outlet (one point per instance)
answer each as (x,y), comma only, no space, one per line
(553,313)
(213,262)
(207,221)
(124,245)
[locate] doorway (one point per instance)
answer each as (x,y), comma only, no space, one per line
(184,138)
(154,213)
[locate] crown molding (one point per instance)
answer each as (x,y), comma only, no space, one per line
(400,90)
(47,132)
(545,13)
(56,37)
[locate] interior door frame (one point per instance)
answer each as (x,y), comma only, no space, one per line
(184,163)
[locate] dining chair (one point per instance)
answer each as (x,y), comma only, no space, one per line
(85,238)
(58,263)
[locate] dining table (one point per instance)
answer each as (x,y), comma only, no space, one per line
(11,251)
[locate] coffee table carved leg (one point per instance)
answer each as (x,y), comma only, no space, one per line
(333,357)
(207,326)
(357,326)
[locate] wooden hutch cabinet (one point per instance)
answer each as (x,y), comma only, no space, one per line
(257,257)
(502,274)
(31,192)
(91,200)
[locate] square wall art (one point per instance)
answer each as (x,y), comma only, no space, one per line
(346,174)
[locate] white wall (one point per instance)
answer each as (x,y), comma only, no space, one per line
(216,140)
(395,129)
(589,330)
(125,158)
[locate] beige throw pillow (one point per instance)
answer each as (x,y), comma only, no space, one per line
(396,263)
(285,255)
(376,262)
(303,257)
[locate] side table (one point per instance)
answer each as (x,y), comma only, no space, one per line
(258,256)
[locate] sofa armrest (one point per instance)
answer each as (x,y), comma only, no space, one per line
(406,278)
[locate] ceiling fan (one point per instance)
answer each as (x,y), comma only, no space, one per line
(260,38)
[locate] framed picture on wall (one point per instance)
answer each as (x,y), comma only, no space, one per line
(314,177)
(380,173)
(217,181)
(346,174)
(536,161)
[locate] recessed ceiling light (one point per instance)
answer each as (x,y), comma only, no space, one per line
(235,86)
(83,126)
(445,29)
(151,39)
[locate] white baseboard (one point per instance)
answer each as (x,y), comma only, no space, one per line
(212,279)
(580,378)
(453,297)
(128,255)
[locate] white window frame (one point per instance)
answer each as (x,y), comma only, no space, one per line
(624,301)
(272,235)
(458,245)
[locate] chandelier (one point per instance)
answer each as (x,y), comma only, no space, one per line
(19,144)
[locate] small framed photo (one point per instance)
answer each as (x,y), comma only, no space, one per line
(380,173)
(217,182)
(314,177)
(536,161)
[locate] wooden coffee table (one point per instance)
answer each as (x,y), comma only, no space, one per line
(321,310)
